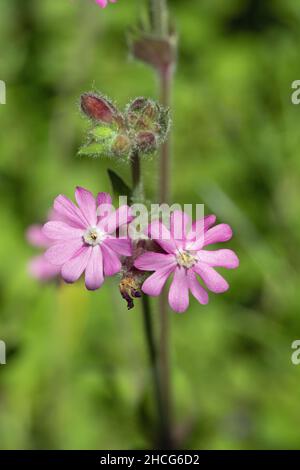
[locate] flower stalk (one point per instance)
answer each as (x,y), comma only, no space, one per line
(159,16)
(160,24)
(149,331)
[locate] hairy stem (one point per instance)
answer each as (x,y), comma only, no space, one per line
(165,80)
(164,197)
(159,18)
(135,170)
(148,328)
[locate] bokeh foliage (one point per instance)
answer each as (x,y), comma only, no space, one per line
(77,373)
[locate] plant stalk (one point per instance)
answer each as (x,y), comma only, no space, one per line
(160,26)
(149,331)
(159,16)
(164,197)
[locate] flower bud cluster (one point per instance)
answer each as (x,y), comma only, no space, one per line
(142,127)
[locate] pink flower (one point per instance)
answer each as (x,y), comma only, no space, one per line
(39,267)
(103,3)
(84,241)
(185,257)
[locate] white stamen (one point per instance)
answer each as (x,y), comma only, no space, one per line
(186,258)
(94,236)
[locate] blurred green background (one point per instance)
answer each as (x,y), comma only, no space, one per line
(77,374)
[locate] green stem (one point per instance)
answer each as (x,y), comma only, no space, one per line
(164,197)
(149,332)
(159,17)
(161,418)
(160,22)
(165,80)
(135,170)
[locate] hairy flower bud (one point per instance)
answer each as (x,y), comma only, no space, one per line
(121,146)
(142,114)
(146,142)
(142,127)
(97,108)
(138,104)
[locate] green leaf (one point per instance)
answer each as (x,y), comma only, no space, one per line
(100,133)
(120,188)
(95,149)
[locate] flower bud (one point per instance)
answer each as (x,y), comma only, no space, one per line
(160,53)
(146,142)
(121,146)
(142,127)
(98,108)
(138,104)
(142,114)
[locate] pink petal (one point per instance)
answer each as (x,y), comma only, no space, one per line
(200,226)
(55,216)
(70,213)
(60,253)
(150,261)
(36,237)
(103,198)
(117,218)
(155,283)
(211,278)
(122,246)
(87,204)
(102,3)
(94,270)
(224,258)
(179,292)
(103,212)
(72,269)
(179,225)
(61,231)
(104,205)
(39,268)
(111,263)
(196,289)
(159,232)
(217,234)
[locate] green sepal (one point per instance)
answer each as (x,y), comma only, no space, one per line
(100,133)
(94,149)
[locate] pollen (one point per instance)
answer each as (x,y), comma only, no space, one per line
(186,259)
(93,236)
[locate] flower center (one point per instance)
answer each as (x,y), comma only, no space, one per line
(93,236)
(185,258)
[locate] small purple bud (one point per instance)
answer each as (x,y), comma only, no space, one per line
(146,142)
(98,108)
(138,104)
